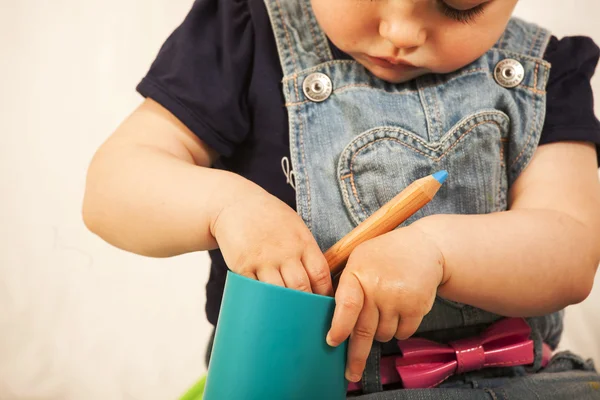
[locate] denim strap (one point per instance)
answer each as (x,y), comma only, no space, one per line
(301,43)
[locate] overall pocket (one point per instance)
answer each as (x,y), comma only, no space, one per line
(381,162)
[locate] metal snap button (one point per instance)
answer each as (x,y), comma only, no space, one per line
(509,73)
(317,87)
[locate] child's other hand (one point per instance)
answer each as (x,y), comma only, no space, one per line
(262,238)
(388,285)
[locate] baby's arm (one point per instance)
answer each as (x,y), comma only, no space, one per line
(539,256)
(150,191)
(146,190)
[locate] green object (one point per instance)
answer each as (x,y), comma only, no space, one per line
(270,344)
(196,392)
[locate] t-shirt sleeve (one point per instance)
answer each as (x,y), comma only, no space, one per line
(202,72)
(570,99)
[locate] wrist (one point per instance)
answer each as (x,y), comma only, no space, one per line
(238,191)
(428,229)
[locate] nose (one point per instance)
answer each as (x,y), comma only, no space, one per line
(403,32)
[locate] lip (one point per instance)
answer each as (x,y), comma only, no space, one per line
(388,62)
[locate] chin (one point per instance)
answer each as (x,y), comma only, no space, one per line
(395,76)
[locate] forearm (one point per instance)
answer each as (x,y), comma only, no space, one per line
(514,263)
(149,202)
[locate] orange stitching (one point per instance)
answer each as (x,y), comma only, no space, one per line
(356,194)
(464,123)
(308,217)
(535,76)
(460,138)
(419,151)
(522,56)
(533,118)
(534,41)
(345,176)
(533,90)
(334,62)
(393,139)
(451,78)
(312,33)
(287,34)
(297,103)
(347,200)
(454,129)
(343,88)
(437,112)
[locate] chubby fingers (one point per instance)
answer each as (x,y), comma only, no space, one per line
(295,277)
(317,269)
(310,273)
(361,341)
(349,300)
(387,327)
(356,317)
(407,327)
(269,275)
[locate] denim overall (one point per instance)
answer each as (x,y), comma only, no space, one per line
(356,141)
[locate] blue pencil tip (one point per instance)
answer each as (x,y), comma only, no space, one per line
(441,176)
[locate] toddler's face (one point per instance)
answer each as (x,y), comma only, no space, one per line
(398,40)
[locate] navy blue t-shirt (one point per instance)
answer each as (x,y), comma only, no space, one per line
(219,73)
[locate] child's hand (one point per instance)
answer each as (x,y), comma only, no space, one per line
(262,238)
(388,285)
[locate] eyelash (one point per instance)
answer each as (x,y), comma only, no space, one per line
(464,16)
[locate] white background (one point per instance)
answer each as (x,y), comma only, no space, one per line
(80,319)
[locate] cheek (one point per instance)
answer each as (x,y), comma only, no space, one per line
(345,25)
(327,15)
(455,51)
(453,57)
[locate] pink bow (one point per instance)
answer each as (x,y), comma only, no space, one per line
(425,364)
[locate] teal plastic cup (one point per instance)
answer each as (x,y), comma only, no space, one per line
(270,344)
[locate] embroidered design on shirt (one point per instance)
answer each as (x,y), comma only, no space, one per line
(290,177)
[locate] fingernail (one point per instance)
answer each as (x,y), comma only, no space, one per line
(330,341)
(352,377)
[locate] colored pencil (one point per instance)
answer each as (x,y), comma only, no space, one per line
(386,219)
